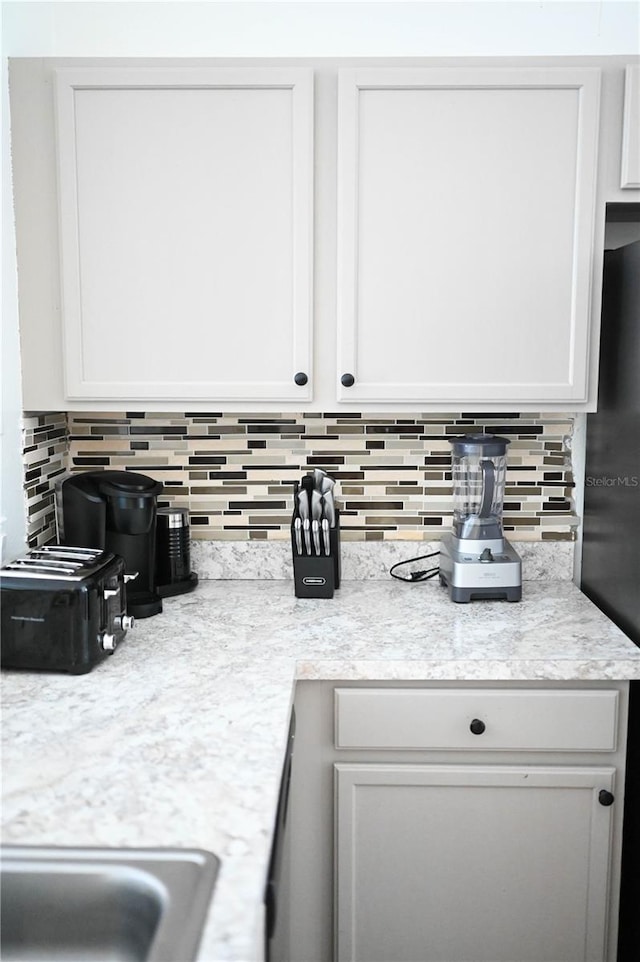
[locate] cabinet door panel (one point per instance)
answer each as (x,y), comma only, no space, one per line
(185,201)
(466,202)
(471,863)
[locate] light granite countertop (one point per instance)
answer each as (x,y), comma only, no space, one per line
(178,739)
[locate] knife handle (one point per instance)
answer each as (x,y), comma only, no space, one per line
(304,505)
(297,525)
(326,537)
(315,527)
(306,524)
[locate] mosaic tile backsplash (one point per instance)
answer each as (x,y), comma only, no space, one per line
(45,454)
(234,472)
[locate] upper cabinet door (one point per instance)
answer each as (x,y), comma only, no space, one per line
(630,171)
(466,216)
(186,232)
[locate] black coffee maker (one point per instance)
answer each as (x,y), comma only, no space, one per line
(115,511)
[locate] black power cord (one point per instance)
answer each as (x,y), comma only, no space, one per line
(415,575)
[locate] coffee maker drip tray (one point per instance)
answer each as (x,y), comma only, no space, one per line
(492,571)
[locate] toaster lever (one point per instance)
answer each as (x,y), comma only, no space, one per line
(131,576)
(110,593)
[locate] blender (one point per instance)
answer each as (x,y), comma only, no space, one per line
(476,561)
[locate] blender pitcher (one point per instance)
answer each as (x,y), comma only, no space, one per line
(479,466)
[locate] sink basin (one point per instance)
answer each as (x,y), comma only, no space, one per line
(104,905)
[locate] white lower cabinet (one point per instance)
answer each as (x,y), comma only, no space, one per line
(456,822)
(485,863)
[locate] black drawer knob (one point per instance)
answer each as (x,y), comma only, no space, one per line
(605,797)
(477,726)
(347,380)
(301,379)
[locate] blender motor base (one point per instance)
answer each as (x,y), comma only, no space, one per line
(463,595)
(469,578)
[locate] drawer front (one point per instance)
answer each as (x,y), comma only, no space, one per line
(485,719)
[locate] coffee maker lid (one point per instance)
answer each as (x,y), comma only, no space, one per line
(127,483)
(482,445)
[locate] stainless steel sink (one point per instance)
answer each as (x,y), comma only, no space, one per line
(103,905)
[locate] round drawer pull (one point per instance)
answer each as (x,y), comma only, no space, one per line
(301,379)
(605,798)
(347,380)
(477,726)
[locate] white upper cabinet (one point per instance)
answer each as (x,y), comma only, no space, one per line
(466,206)
(630,172)
(259,236)
(185,198)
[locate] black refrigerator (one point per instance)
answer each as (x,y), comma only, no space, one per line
(611,532)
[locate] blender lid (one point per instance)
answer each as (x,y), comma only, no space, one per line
(484,445)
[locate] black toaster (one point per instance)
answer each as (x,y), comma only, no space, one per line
(63,609)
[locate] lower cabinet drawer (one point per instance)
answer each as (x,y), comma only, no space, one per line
(486,719)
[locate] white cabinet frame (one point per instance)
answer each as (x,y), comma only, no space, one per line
(82,363)
(630,167)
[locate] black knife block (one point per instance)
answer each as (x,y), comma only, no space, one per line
(317,576)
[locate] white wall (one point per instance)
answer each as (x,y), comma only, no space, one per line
(12,510)
(323,29)
(268,29)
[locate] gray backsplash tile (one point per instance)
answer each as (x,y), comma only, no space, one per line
(234,472)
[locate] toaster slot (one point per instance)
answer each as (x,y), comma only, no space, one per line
(66,553)
(33,565)
(52,563)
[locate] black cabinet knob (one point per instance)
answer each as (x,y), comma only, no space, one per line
(477,726)
(301,379)
(347,380)
(605,797)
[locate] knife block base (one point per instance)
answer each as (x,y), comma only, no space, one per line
(313,577)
